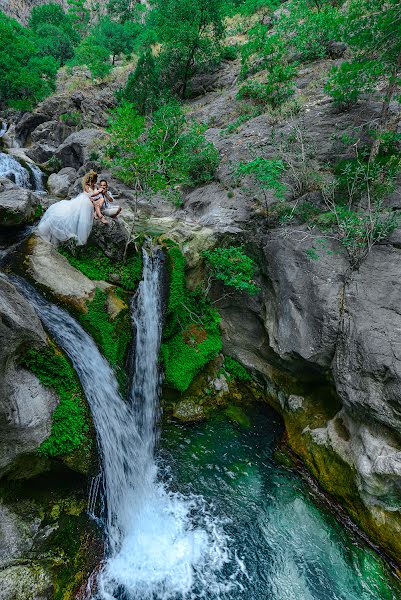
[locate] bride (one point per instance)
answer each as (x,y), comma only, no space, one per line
(70,218)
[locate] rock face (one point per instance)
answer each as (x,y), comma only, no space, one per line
(77,148)
(58,183)
(26,407)
(17,205)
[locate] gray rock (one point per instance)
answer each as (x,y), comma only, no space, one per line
(26,406)
(46,138)
(59,183)
(51,270)
(76,149)
(336,49)
(17,205)
(24,582)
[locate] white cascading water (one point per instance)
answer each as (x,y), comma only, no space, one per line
(12,169)
(160,544)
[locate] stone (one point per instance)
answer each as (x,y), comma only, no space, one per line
(17,205)
(188,410)
(76,149)
(24,582)
(59,183)
(52,271)
(26,407)
(336,49)
(46,138)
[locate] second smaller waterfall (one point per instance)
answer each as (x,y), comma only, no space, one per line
(30,177)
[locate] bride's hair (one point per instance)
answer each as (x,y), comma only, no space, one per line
(89,179)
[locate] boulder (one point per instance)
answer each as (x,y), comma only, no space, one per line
(58,183)
(26,407)
(46,138)
(77,148)
(52,271)
(17,205)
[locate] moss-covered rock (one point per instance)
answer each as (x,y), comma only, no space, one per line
(50,544)
(72,434)
(307,413)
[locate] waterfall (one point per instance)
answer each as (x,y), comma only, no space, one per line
(30,177)
(159,544)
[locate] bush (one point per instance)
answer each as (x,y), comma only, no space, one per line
(159,152)
(233,267)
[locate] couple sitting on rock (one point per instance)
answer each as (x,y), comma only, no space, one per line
(73,219)
(100,197)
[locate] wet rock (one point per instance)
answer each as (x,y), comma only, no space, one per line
(17,205)
(26,407)
(59,183)
(24,582)
(188,410)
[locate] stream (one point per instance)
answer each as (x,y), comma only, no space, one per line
(205,511)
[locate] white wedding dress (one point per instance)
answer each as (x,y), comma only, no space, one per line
(68,219)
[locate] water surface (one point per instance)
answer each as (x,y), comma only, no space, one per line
(285,546)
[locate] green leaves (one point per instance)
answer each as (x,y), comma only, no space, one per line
(191,335)
(233,267)
(267,172)
(161,151)
(26,76)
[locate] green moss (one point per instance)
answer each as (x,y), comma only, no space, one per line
(111,335)
(191,336)
(94,263)
(234,370)
(70,425)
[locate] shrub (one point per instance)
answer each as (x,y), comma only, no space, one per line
(233,267)
(161,151)
(234,370)
(94,263)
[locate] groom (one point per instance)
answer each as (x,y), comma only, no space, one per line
(102,200)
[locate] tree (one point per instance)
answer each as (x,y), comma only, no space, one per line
(126,10)
(26,77)
(53,14)
(79,15)
(190,32)
(53,41)
(115,37)
(95,56)
(372,32)
(143,88)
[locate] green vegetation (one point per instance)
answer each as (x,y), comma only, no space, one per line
(111,335)
(70,426)
(94,263)
(159,152)
(191,336)
(371,28)
(233,267)
(26,76)
(234,370)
